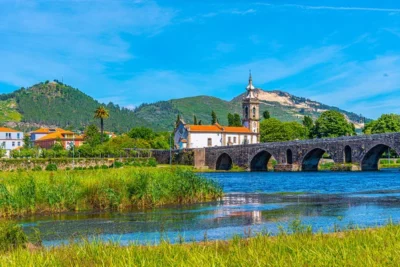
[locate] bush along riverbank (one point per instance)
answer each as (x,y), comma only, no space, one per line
(23,193)
(369,247)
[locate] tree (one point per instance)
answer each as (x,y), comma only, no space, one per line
(200,123)
(194,120)
(92,135)
(309,125)
(214,118)
(178,119)
(236,120)
(101,113)
(332,123)
(27,142)
(266,115)
(273,130)
(230,119)
(141,133)
(387,123)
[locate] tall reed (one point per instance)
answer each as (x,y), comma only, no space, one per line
(111,189)
(371,247)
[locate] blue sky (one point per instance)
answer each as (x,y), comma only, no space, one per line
(341,53)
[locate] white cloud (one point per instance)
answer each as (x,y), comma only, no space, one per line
(71,39)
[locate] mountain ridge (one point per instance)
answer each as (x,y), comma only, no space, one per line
(56,104)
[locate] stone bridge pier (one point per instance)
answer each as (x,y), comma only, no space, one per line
(362,152)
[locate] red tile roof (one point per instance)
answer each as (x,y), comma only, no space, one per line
(216,128)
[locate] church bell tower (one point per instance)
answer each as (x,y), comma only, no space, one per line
(251,109)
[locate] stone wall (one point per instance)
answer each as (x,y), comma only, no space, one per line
(179,157)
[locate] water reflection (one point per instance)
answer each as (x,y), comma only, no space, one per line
(339,200)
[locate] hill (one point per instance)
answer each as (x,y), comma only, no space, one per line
(56,104)
(281,105)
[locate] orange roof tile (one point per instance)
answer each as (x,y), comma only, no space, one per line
(5,129)
(47,130)
(59,135)
(216,128)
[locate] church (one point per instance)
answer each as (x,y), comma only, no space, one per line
(199,136)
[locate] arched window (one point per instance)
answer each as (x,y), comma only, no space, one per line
(246,112)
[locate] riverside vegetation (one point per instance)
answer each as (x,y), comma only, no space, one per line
(23,193)
(297,247)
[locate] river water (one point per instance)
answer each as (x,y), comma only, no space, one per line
(253,202)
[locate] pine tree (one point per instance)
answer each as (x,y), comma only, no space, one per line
(213,117)
(236,120)
(266,115)
(230,119)
(178,118)
(194,120)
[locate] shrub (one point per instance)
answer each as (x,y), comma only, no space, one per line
(51,167)
(104,166)
(117,164)
(11,236)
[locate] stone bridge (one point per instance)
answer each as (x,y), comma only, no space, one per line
(362,151)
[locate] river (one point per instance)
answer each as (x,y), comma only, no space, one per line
(253,202)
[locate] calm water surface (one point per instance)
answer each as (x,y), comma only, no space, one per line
(253,202)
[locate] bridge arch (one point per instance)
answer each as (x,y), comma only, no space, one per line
(311,159)
(370,161)
(289,156)
(224,162)
(260,161)
(347,154)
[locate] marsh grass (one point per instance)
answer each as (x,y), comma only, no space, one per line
(23,193)
(296,247)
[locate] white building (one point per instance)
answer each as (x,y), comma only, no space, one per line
(10,139)
(199,136)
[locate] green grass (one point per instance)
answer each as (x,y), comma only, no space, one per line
(371,247)
(8,111)
(23,193)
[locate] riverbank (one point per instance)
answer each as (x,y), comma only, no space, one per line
(29,192)
(370,247)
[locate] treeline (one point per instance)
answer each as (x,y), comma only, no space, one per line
(329,124)
(54,103)
(138,137)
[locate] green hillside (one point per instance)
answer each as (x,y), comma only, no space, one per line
(57,104)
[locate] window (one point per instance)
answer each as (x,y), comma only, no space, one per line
(245,141)
(209,142)
(17,135)
(13,143)
(254,112)
(229,140)
(19,143)
(234,139)
(246,112)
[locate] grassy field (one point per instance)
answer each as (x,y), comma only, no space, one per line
(23,193)
(371,247)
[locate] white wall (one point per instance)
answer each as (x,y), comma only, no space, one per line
(199,140)
(11,141)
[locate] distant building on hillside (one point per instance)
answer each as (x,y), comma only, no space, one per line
(48,137)
(199,136)
(10,139)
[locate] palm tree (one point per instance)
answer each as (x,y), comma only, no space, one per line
(101,113)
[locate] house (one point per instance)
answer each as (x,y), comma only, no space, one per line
(39,133)
(199,136)
(47,138)
(10,139)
